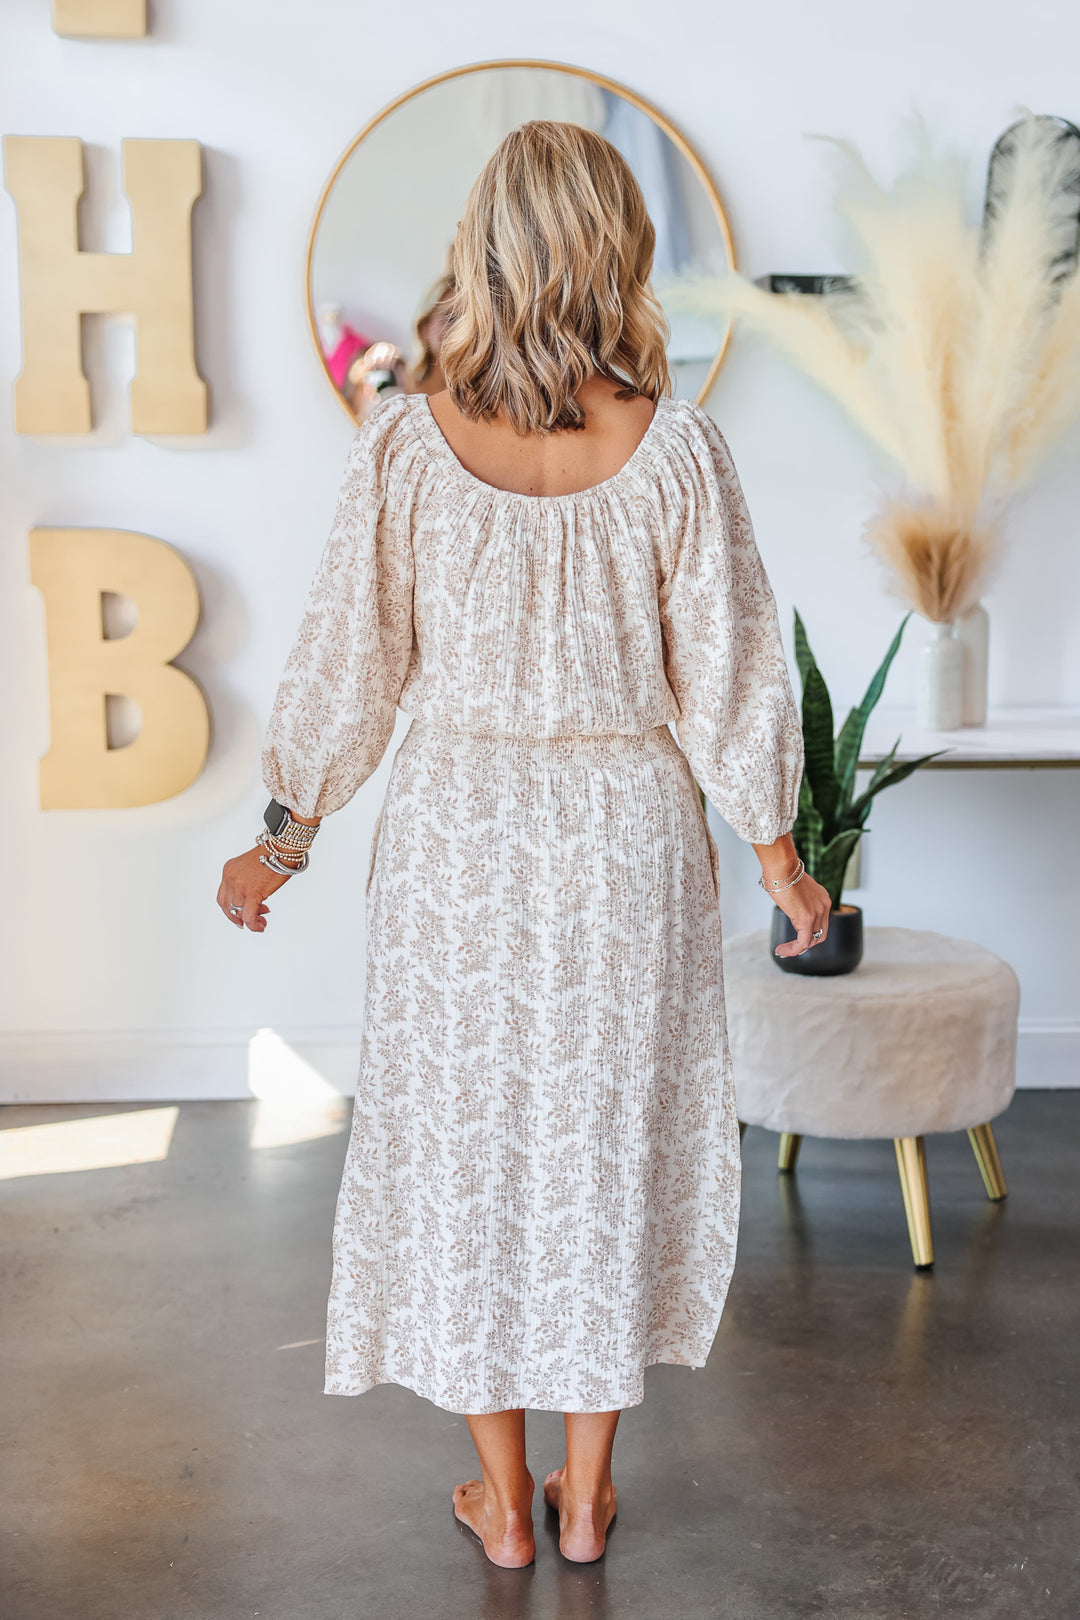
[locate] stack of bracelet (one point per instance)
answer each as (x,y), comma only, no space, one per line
(287,850)
(786,883)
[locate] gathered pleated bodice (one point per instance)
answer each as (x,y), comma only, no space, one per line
(536,615)
(621,607)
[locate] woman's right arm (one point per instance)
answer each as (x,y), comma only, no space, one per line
(738,722)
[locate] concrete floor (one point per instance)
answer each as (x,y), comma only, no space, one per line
(867,1443)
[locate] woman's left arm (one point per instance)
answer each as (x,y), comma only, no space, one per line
(336,703)
(247,883)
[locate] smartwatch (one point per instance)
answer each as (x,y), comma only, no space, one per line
(276,817)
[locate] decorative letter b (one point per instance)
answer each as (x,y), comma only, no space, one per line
(162,179)
(72,568)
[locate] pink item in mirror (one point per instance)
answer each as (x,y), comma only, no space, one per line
(349,346)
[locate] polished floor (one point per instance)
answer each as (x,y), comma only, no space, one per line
(866,1443)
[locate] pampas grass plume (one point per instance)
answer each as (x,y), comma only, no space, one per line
(958,351)
(939,560)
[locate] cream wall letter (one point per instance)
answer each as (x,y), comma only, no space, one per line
(162,179)
(72,568)
(100,19)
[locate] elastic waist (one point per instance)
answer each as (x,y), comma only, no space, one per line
(576,745)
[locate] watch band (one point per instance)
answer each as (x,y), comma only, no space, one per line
(284,830)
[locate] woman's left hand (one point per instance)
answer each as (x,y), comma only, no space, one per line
(246,884)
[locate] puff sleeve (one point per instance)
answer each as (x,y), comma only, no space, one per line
(336,703)
(738,723)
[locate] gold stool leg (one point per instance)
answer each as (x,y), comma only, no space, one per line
(911,1162)
(984,1147)
(789,1151)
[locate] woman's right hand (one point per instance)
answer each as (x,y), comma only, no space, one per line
(806,905)
(361,396)
(246,885)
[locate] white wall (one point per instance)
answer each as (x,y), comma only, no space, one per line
(119,977)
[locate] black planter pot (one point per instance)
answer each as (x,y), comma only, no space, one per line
(839,952)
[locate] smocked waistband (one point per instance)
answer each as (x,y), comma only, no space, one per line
(576,744)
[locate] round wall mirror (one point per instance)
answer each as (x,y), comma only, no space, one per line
(379,246)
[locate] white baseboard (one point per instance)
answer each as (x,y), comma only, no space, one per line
(197,1065)
(1048,1054)
(162,1065)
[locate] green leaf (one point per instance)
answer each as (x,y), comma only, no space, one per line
(806,832)
(883,767)
(804,658)
(857,818)
(817,725)
(844,783)
(861,807)
(851,735)
(833,863)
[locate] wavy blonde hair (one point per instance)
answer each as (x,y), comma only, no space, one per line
(551,266)
(426,358)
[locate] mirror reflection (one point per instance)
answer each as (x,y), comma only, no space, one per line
(378,275)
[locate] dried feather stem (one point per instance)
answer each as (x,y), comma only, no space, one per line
(938,559)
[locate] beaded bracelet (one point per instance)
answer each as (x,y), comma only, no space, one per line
(294,835)
(273,860)
(281,847)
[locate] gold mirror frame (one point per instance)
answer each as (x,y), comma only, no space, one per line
(679,140)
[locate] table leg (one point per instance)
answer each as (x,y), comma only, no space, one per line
(982,1141)
(742,1129)
(911,1162)
(789,1151)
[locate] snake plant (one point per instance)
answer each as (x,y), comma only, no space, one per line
(831,818)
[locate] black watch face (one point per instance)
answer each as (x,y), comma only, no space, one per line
(275,816)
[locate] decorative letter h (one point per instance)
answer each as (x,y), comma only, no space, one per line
(60,284)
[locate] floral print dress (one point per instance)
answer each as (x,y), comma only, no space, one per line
(540,1196)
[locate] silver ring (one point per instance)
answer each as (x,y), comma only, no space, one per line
(237,911)
(818,933)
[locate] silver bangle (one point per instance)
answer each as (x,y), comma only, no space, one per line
(771,888)
(270,858)
(279,866)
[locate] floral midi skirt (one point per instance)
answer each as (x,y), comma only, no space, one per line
(541,1192)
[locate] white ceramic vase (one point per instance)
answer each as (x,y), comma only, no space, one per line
(973,634)
(940,688)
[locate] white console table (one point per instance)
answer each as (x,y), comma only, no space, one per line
(1020,738)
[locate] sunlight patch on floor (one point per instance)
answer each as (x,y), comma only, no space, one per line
(100,1142)
(295,1103)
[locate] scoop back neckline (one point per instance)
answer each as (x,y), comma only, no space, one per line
(436,439)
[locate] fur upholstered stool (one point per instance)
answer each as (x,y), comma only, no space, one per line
(920,1038)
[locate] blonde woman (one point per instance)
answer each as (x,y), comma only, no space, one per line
(543,565)
(424,375)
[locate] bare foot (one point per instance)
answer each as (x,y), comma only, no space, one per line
(507,1533)
(583,1525)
